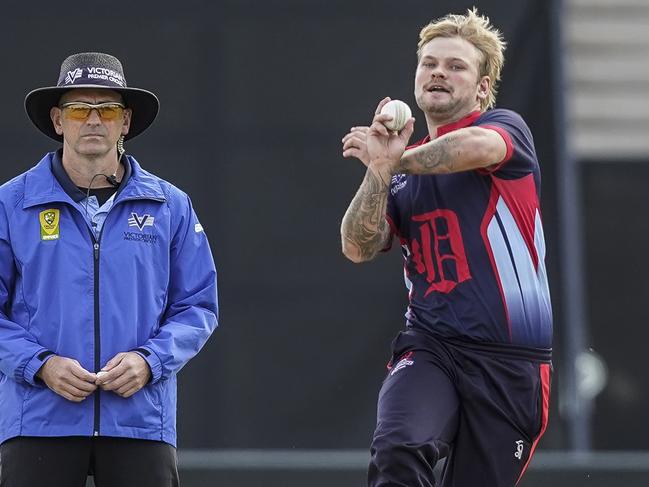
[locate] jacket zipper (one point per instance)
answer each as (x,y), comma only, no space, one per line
(97,333)
(95,247)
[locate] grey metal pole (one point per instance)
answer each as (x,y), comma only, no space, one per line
(576,408)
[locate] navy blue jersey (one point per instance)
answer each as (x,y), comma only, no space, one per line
(473,244)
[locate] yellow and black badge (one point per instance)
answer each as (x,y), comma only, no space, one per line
(49,224)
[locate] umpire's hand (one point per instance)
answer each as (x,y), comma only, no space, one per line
(124,374)
(66,377)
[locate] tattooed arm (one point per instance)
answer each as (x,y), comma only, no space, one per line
(364,229)
(461,150)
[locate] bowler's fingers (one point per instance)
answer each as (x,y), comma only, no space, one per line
(354,142)
(407,130)
(378,128)
(383,119)
(355,133)
(381,104)
(355,153)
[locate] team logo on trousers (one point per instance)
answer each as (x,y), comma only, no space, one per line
(519,449)
(49,220)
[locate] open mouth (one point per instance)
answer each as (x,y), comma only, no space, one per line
(437,89)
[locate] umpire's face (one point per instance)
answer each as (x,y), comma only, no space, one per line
(90,132)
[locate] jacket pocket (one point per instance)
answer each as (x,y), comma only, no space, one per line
(140,411)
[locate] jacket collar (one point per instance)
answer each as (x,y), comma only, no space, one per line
(69,187)
(48,182)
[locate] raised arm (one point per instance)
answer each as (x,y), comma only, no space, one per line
(461,150)
(364,229)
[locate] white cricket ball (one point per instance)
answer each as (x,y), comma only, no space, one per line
(400,113)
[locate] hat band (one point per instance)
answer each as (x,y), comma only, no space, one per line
(92,76)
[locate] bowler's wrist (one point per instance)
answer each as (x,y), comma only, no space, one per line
(383,169)
(404,163)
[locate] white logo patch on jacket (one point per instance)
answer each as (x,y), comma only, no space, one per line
(140,221)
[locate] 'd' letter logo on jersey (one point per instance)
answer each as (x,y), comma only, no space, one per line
(49,224)
(439,254)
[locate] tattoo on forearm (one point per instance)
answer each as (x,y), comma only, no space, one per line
(437,157)
(364,226)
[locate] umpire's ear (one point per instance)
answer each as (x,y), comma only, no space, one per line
(126,125)
(55,116)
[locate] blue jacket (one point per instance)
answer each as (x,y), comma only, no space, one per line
(147,283)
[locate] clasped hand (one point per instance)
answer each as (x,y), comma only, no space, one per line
(124,374)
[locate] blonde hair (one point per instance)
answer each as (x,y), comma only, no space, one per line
(478,31)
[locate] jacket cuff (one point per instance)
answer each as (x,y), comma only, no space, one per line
(154,363)
(34,365)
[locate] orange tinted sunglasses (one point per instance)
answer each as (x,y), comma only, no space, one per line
(78,110)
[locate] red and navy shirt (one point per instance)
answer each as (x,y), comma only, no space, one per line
(473,244)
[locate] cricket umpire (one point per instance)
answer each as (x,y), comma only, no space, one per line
(107,288)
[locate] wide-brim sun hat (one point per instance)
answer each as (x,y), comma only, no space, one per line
(93,70)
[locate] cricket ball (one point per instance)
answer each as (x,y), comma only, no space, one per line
(400,113)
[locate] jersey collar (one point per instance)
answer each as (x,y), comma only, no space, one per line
(449,127)
(459,124)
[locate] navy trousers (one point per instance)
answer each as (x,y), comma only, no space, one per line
(67,461)
(483,412)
